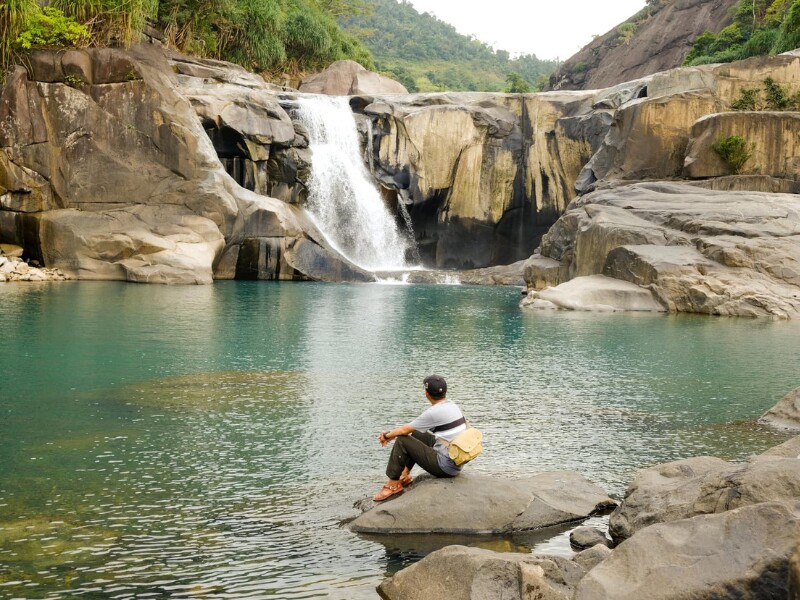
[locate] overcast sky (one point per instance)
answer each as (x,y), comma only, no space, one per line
(546,28)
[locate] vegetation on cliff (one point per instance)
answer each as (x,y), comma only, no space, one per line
(760,27)
(427,54)
(262,35)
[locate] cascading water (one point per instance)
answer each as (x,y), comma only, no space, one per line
(344,202)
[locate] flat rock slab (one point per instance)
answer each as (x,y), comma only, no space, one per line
(482,504)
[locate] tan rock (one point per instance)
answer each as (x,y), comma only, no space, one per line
(724,253)
(774,136)
(348,78)
(785,414)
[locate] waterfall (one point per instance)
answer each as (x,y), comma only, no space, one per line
(343,200)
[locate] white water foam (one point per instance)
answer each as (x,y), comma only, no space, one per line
(342,198)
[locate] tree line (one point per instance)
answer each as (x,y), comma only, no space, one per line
(261,35)
(759,27)
(427,54)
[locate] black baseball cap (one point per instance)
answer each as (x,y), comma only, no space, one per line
(436,386)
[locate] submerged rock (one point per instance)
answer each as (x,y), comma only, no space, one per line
(480,504)
(461,573)
(743,553)
(595,293)
(785,414)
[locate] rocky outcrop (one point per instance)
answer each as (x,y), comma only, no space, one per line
(785,414)
(110,168)
(481,175)
(743,553)
(699,486)
(481,504)
(461,573)
(656,39)
(695,250)
(348,78)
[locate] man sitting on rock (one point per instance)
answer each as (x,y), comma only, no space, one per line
(420,442)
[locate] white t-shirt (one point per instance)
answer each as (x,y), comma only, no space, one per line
(436,415)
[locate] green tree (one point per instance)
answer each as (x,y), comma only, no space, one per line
(516,84)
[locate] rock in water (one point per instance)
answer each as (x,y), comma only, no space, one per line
(595,293)
(461,573)
(482,504)
(587,537)
(785,414)
(703,485)
(742,553)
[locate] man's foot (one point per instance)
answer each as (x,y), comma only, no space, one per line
(391,489)
(406,480)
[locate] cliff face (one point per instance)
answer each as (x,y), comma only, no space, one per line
(651,42)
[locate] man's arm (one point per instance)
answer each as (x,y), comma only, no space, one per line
(387,436)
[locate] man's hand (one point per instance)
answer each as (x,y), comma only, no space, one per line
(382,438)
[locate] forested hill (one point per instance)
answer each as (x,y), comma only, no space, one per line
(427,54)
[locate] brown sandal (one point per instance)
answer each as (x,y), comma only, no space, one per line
(388,491)
(406,481)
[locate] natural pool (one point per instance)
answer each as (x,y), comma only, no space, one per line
(207,441)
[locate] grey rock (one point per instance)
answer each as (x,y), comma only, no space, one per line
(743,553)
(696,486)
(479,504)
(591,557)
(582,538)
(788,449)
(785,414)
(461,573)
(794,575)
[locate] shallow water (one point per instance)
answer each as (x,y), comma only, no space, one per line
(208,441)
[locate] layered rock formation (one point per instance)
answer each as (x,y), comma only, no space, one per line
(727,245)
(656,39)
(107,172)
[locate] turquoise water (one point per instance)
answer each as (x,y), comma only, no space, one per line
(208,441)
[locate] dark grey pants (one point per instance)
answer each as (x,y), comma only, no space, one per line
(414,449)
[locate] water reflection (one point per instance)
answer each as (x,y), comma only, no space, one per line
(209,440)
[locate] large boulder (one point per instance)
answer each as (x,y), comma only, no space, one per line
(743,553)
(481,504)
(785,414)
(697,486)
(697,250)
(348,78)
(461,573)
